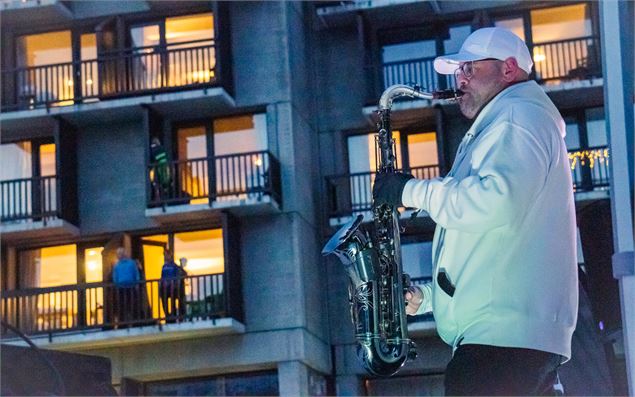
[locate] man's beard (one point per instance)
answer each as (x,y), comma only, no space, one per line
(469,106)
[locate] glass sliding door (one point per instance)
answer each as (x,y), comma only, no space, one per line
(191,54)
(153,248)
(193,165)
(241,166)
(46,70)
(147,65)
(49,267)
(93,271)
(88,69)
(205,266)
(562,42)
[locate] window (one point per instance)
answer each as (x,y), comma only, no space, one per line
(560,23)
(247,384)
(563,47)
(422,149)
(193,164)
(417,259)
(361,152)
(458,34)
(89,74)
(93,270)
(241,166)
(410,63)
(45,84)
(587,144)
(28,185)
(204,251)
(49,267)
(44,49)
(516,25)
(177,51)
(16,160)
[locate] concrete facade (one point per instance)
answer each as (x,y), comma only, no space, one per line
(307,71)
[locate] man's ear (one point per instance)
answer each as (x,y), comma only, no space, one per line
(510,69)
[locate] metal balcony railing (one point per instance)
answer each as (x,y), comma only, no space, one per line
(243,175)
(590,168)
(571,59)
(29,199)
(133,71)
(418,71)
(80,307)
(348,194)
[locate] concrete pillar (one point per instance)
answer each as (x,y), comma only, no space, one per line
(616,21)
(349,385)
(293,379)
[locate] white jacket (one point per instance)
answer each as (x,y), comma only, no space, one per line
(506,233)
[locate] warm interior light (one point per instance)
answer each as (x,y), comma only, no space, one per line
(258,162)
(89,82)
(69,82)
(539,55)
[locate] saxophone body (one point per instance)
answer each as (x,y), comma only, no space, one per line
(373,264)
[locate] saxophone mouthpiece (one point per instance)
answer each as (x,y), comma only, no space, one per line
(450,95)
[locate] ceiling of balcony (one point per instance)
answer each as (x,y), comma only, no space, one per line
(385,13)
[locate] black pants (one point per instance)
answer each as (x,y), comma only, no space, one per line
(479,370)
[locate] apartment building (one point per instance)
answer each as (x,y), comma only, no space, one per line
(264,112)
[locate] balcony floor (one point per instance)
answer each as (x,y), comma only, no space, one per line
(37,230)
(199,103)
(136,335)
(237,206)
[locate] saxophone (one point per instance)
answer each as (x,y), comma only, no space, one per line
(373,265)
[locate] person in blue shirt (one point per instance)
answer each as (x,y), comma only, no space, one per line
(126,278)
(172,288)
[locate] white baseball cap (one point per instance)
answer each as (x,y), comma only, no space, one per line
(485,43)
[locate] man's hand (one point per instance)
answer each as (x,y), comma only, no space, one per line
(414,299)
(389,187)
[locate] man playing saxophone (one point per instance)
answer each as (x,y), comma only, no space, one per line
(504,292)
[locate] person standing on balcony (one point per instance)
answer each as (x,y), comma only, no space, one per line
(505,290)
(160,176)
(126,278)
(172,288)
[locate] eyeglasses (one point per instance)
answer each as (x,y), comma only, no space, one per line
(468,68)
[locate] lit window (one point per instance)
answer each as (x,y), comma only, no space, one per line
(203,251)
(516,25)
(422,149)
(560,23)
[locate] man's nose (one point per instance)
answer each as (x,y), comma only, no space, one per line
(461,80)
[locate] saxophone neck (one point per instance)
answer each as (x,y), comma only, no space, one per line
(398,90)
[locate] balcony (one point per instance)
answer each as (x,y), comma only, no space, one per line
(569,63)
(590,172)
(121,81)
(31,208)
(351,194)
(76,312)
(245,183)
